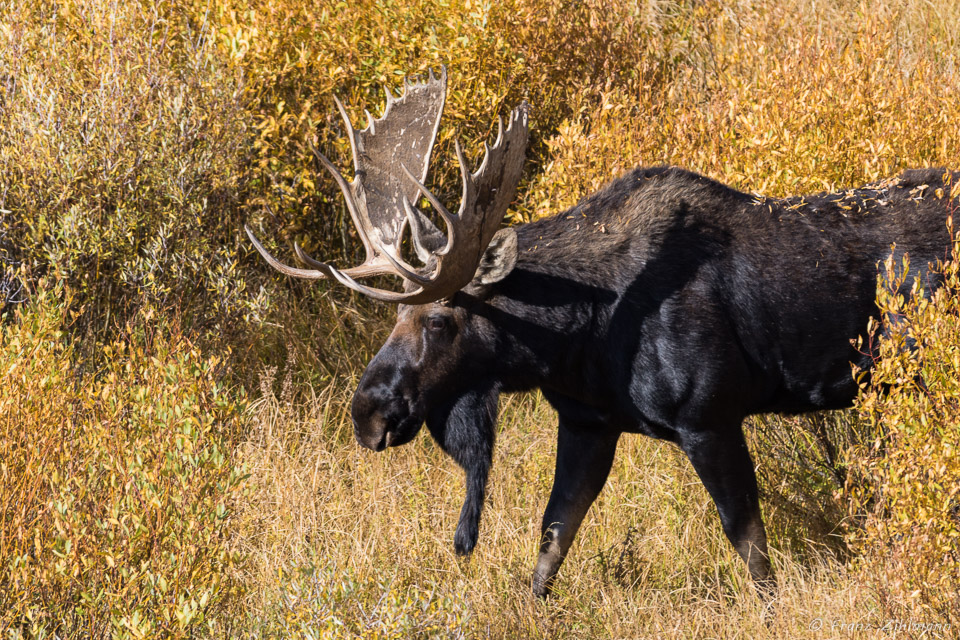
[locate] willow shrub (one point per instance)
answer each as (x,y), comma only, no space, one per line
(771,103)
(137,137)
(904,486)
(117,486)
(296,55)
(121,142)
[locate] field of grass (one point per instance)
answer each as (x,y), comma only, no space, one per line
(176,454)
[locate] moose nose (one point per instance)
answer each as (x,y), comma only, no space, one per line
(373,435)
(375,419)
(379,406)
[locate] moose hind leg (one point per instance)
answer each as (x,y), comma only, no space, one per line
(722,461)
(584,457)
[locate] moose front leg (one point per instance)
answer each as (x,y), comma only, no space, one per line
(722,461)
(468,527)
(465,430)
(584,457)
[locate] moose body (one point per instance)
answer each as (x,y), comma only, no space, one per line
(666,304)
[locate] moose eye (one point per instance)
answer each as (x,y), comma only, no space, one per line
(437,323)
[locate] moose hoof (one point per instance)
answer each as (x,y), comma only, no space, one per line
(541,586)
(766,587)
(463,543)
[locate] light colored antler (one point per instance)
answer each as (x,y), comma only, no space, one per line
(486,196)
(391,159)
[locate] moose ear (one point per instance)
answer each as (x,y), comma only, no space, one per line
(499,258)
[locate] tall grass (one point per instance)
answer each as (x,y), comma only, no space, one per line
(353,544)
(137,137)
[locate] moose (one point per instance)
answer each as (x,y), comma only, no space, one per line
(665,304)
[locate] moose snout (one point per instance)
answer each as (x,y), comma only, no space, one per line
(373,435)
(371,426)
(381,418)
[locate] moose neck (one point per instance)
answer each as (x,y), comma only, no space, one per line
(545,314)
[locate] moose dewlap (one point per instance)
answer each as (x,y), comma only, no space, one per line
(665,304)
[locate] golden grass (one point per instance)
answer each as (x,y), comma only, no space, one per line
(650,561)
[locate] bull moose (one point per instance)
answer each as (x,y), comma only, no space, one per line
(665,304)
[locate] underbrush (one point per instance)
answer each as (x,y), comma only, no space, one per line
(118,484)
(904,490)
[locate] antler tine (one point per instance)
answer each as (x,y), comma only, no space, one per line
(413,221)
(402,268)
(483,161)
(449,219)
(417,296)
(351,134)
(466,177)
(305,258)
(319,274)
(328,272)
(348,196)
(515,116)
(425,235)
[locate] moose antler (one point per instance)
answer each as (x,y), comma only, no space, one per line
(391,158)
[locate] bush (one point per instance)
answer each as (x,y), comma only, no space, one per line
(117,485)
(904,489)
(121,138)
(297,55)
(768,107)
(136,138)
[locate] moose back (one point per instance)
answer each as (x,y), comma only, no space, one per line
(666,304)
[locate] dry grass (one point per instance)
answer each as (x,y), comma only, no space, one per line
(650,560)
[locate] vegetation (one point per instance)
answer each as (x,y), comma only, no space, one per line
(905,486)
(119,484)
(176,457)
